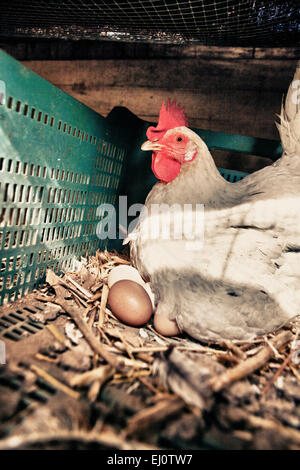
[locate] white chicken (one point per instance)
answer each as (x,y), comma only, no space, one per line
(244,279)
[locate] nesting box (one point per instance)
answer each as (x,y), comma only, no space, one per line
(59,163)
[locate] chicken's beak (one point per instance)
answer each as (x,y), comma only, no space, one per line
(148,145)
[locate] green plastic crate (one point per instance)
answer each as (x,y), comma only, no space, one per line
(59,161)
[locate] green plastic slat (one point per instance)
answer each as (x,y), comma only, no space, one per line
(240,143)
(232,175)
(58,161)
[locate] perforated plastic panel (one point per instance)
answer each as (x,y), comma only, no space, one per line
(58,161)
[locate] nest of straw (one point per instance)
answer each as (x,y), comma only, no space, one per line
(231,395)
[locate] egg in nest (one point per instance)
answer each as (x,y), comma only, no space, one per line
(132,301)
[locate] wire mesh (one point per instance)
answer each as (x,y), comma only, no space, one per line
(207,22)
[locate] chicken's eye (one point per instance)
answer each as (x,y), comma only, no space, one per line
(179,139)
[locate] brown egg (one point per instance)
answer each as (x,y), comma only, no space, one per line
(130,303)
(164,325)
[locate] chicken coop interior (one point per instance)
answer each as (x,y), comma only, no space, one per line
(103,103)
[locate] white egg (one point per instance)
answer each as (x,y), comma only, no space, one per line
(150,293)
(124,272)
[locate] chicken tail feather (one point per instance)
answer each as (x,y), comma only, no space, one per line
(289,125)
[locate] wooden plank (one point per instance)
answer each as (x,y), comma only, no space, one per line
(277,53)
(238,96)
(239,113)
(62,49)
(169,73)
(211,52)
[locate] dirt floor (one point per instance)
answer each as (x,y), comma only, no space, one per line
(77,378)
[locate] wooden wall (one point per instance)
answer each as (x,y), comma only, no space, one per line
(237,90)
(239,94)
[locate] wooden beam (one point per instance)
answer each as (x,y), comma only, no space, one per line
(240,96)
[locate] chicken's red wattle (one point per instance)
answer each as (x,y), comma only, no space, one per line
(164,168)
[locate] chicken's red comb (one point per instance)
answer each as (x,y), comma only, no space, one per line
(170,116)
